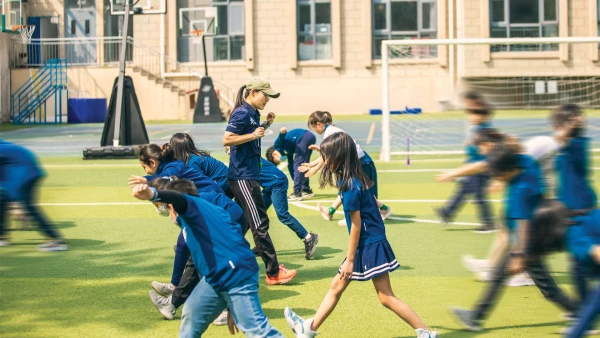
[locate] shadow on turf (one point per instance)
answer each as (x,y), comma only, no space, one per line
(453,332)
(322,252)
(391,221)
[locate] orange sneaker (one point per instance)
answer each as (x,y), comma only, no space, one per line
(284,276)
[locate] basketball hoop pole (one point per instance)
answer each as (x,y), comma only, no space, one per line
(119,106)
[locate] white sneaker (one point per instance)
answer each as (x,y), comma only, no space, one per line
(521,279)
(567,331)
(163,289)
(343,223)
(300,326)
(4,243)
(484,276)
(163,305)
(386,213)
(52,246)
(422,333)
(324,212)
(222,319)
(475,265)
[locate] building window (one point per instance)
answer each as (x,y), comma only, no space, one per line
(228,42)
(314,30)
(403,20)
(524,19)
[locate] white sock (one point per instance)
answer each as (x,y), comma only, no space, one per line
(308,237)
(307,324)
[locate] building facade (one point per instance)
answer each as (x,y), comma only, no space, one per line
(326,54)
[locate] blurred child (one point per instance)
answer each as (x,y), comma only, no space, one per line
(160,161)
(167,297)
(479,116)
(369,256)
(186,151)
(523,196)
(321,123)
(223,258)
(20,177)
(294,145)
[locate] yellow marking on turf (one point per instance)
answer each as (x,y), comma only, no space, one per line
(370,137)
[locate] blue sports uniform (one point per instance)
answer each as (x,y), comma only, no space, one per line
(180,170)
(211,167)
(524,193)
(244,159)
(374,256)
(275,187)
(294,144)
(20,175)
(572,164)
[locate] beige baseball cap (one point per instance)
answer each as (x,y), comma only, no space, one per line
(260,84)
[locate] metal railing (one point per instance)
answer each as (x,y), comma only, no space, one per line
(102,51)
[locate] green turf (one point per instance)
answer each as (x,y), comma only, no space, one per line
(99,288)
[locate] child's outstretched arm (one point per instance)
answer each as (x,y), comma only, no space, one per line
(348,266)
(311,168)
(465,170)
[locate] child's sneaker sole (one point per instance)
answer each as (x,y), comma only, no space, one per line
(280,281)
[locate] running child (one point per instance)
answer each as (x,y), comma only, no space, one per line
(223,258)
(321,123)
(167,297)
(479,116)
(158,162)
(295,145)
(186,151)
(20,177)
(523,196)
(369,256)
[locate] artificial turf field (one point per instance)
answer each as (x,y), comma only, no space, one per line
(118,245)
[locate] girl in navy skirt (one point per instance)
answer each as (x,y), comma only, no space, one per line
(369,256)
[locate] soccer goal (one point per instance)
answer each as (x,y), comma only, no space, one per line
(523,78)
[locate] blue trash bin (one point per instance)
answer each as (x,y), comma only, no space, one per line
(86,111)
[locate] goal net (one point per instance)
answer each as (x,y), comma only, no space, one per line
(523,78)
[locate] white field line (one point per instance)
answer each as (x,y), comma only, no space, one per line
(91,204)
(66,166)
(401,201)
(394,218)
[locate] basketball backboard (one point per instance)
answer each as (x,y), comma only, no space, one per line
(117,7)
(196,19)
(11,15)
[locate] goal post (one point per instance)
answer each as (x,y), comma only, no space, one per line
(523,78)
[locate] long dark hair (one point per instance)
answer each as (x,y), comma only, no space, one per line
(341,160)
(241,95)
(503,159)
(183,146)
(319,116)
(548,227)
(154,152)
(567,113)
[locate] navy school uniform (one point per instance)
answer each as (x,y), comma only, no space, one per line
(180,170)
(524,193)
(220,252)
(211,167)
(244,159)
(18,170)
(572,163)
(374,255)
(294,144)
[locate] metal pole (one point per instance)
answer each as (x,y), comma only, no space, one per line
(120,89)
(204,52)
(385,117)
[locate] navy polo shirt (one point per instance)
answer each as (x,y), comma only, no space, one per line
(178,169)
(574,188)
(286,143)
(210,167)
(222,201)
(18,168)
(358,199)
(271,176)
(582,237)
(244,159)
(219,250)
(523,194)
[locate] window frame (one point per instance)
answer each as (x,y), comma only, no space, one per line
(313,23)
(388,33)
(542,22)
(229,4)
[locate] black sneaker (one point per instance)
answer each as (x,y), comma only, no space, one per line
(308,194)
(485,229)
(441,214)
(256,252)
(295,197)
(466,319)
(311,245)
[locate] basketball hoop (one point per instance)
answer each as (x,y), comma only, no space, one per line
(26,32)
(197,36)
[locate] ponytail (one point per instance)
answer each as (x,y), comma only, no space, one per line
(154,152)
(241,95)
(319,116)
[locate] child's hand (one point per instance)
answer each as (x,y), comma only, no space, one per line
(231,324)
(314,147)
(444,177)
(142,192)
(311,172)
(304,167)
(133,180)
(283,130)
(346,269)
